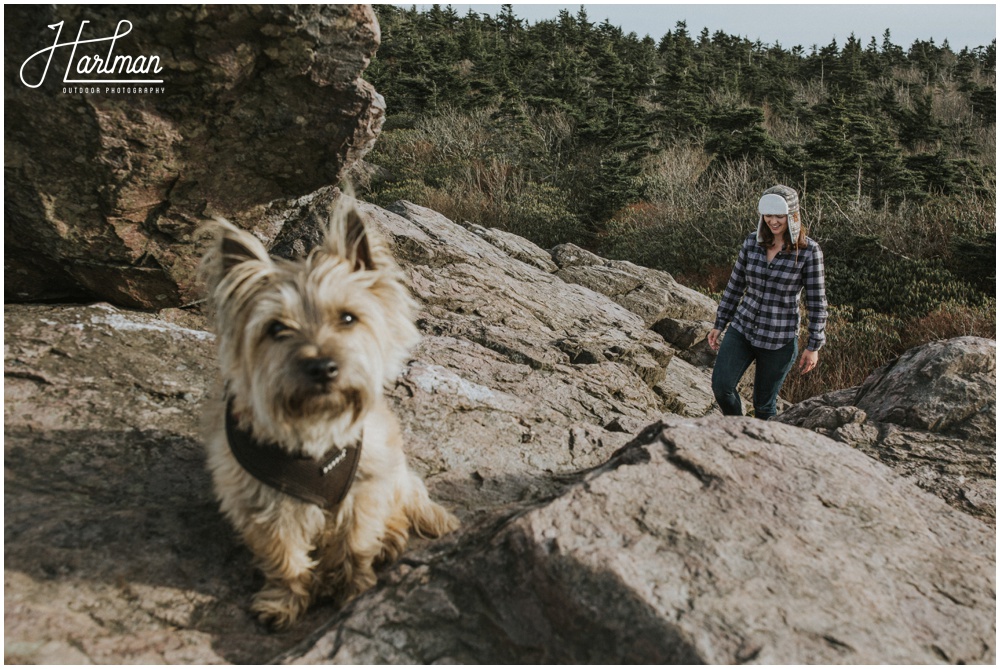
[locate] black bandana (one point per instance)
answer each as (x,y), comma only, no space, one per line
(321,482)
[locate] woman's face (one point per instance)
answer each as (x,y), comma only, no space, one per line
(777,224)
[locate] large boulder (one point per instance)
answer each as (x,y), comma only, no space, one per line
(652,294)
(717,541)
(103,191)
(114,548)
(930,415)
(133,561)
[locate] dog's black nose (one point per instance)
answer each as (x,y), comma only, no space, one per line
(321,370)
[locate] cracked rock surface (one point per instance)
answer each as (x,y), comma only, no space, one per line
(115,550)
(704,539)
(716,541)
(104,192)
(930,415)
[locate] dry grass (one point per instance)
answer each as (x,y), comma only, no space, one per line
(696,214)
(952,104)
(671,176)
(858,343)
(951,320)
(786,131)
(810,93)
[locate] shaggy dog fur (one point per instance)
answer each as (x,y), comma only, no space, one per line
(345,309)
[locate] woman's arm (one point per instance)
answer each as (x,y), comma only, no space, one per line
(814,279)
(733,293)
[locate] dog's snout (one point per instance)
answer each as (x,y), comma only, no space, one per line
(321,370)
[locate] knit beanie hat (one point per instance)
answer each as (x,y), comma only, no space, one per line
(780,201)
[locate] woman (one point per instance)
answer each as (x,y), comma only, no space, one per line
(761,306)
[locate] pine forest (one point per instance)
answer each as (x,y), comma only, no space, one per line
(656,152)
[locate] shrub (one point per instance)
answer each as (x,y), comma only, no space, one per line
(696,218)
(858,341)
(952,320)
(864,273)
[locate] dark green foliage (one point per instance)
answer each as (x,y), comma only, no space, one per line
(655,150)
(919,125)
(975,260)
(861,272)
(854,153)
(739,133)
(984,103)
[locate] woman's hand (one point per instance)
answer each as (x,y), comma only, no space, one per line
(713,339)
(807,362)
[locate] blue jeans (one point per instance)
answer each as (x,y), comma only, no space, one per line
(735,356)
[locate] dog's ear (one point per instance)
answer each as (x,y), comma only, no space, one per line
(358,244)
(236,251)
(230,248)
(348,237)
(237,246)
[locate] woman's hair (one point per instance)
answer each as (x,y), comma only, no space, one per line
(800,243)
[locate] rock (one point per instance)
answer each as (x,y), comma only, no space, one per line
(681,333)
(571,255)
(539,374)
(719,540)
(473,290)
(947,387)
(716,541)
(101,409)
(651,294)
(115,550)
(103,191)
(930,415)
(700,354)
(687,390)
(596,346)
(518,248)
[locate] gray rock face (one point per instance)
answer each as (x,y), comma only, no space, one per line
(948,387)
(539,374)
(717,541)
(713,540)
(516,247)
(686,390)
(930,415)
(114,549)
(105,191)
(101,409)
(651,294)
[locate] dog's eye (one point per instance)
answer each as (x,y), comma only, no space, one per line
(276,329)
(347,318)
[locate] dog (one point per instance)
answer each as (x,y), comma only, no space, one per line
(306,457)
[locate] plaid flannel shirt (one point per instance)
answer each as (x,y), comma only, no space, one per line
(762,298)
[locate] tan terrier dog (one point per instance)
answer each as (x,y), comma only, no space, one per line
(306,457)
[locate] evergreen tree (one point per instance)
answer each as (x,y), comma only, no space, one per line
(919,126)
(579,111)
(892,55)
(680,98)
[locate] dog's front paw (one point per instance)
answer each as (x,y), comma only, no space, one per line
(432,520)
(278,607)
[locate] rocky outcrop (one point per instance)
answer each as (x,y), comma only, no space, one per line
(930,415)
(520,380)
(683,317)
(516,247)
(719,541)
(114,549)
(652,294)
(708,539)
(258,105)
